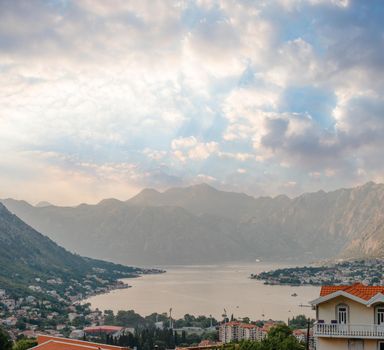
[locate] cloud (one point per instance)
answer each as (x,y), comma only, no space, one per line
(189,148)
(103,98)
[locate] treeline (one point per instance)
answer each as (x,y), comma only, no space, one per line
(132,319)
(279,338)
(152,338)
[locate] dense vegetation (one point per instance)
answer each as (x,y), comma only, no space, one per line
(5,340)
(132,319)
(279,338)
(300,322)
(149,338)
(146,336)
(22,344)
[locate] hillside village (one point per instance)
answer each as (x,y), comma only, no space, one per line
(56,307)
(57,314)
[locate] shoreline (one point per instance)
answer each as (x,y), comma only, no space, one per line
(191,290)
(119,284)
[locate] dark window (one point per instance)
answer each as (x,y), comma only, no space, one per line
(380,315)
(342,314)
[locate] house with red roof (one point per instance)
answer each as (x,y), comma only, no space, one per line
(46,342)
(349,317)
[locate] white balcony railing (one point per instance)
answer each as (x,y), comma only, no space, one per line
(348,330)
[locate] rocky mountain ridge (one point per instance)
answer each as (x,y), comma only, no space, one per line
(200,224)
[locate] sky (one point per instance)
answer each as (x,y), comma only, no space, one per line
(102,98)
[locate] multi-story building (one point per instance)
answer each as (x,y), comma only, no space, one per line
(251,332)
(229,332)
(235,331)
(349,318)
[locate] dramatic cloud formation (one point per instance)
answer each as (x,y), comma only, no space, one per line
(101,98)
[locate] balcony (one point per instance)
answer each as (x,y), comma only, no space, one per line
(331,330)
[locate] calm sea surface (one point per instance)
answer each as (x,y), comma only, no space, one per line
(205,290)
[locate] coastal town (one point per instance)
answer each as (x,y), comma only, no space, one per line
(369,272)
(29,316)
(58,307)
(338,312)
(79,322)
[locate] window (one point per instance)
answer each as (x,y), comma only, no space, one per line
(342,313)
(380,315)
(380,345)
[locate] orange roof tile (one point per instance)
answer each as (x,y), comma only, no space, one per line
(246,325)
(358,289)
(46,342)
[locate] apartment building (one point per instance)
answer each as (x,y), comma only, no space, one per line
(235,331)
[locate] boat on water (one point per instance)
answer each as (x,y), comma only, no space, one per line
(294,295)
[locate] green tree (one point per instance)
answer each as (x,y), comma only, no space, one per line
(193,339)
(109,317)
(24,344)
(299,322)
(280,338)
(128,318)
(279,332)
(5,340)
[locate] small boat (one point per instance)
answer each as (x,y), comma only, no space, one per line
(294,295)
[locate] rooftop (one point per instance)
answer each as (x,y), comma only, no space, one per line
(46,342)
(358,289)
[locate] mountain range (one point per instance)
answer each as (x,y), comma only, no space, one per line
(200,225)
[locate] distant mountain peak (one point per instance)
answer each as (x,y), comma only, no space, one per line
(369,184)
(43,204)
(147,194)
(108,201)
(149,191)
(203,186)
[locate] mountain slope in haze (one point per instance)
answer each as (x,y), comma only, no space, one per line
(27,256)
(124,233)
(200,224)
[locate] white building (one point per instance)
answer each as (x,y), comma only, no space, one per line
(349,318)
(235,331)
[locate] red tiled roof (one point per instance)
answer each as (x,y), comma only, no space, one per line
(358,289)
(246,325)
(46,342)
